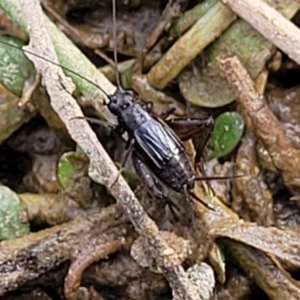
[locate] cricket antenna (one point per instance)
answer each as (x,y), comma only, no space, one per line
(56,64)
(115,44)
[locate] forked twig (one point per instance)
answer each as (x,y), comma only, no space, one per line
(59,89)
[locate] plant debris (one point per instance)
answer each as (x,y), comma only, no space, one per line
(67,233)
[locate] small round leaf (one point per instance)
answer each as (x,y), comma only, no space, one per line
(13,222)
(227,133)
(70,166)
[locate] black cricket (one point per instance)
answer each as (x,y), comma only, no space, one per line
(156,144)
(156,149)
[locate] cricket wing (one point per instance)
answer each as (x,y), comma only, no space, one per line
(158,142)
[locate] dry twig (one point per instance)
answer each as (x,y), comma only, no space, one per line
(285,157)
(59,89)
(270,23)
(51,247)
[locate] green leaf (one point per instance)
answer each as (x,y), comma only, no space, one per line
(12,215)
(227,133)
(15,67)
(70,166)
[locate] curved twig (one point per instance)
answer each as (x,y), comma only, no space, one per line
(87,257)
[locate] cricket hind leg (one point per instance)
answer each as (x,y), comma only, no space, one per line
(192,128)
(199,130)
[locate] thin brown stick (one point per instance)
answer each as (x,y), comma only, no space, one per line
(270,23)
(59,89)
(286,158)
